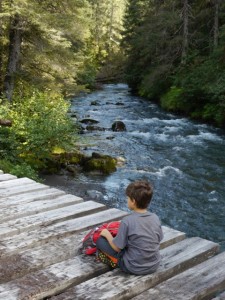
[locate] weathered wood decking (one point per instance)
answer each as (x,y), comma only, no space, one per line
(40,234)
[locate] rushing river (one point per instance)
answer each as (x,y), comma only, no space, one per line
(184,160)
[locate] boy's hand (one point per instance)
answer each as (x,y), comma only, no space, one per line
(105,233)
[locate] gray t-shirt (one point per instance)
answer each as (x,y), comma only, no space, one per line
(140,235)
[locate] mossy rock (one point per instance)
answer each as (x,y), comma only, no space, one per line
(69,158)
(98,162)
(60,160)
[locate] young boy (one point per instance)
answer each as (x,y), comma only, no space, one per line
(136,246)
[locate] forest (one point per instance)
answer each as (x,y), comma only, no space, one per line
(171,52)
(175,55)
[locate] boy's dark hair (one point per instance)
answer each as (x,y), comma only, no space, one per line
(141,192)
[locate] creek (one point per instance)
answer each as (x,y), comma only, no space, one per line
(183,159)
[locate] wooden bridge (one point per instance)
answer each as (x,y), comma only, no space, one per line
(40,234)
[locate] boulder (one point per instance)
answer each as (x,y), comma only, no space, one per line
(94,128)
(118,126)
(120,161)
(94,103)
(100,162)
(95,195)
(89,121)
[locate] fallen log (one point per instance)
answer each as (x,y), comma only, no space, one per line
(5,123)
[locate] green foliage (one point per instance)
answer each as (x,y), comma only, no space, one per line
(175,55)
(149,45)
(21,170)
(113,69)
(39,125)
(24,170)
(8,140)
(155,83)
(105,27)
(203,84)
(172,100)
(214,113)
(88,74)
(53,40)
(62,45)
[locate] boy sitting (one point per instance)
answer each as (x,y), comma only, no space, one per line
(135,249)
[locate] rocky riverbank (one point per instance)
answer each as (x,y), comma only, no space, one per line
(69,184)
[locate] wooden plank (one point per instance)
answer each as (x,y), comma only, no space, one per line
(28,209)
(30,196)
(171,236)
(16,182)
(47,218)
(112,285)
(30,260)
(34,259)
(37,285)
(6,177)
(34,238)
(17,190)
(197,283)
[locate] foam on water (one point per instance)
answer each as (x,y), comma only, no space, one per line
(202,137)
(140,134)
(162,137)
(213,196)
(177,148)
(179,122)
(194,139)
(209,136)
(171,129)
(166,170)
(151,120)
(141,121)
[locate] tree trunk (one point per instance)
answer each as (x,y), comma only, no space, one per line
(15,40)
(110,28)
(1,52)
(185,32)
(216,24)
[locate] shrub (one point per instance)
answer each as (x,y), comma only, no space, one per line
(172,100)
(40,124)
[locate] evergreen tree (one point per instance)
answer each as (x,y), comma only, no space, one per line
(106,25)
(175,54)
(1,50)
(102,51)
(53,36)
(153,45)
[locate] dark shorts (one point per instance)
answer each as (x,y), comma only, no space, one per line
(104,246)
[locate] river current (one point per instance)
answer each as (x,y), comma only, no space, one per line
(183,159)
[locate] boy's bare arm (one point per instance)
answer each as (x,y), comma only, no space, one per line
(105,233)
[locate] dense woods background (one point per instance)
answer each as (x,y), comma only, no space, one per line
(176,55)
(54,44)
(49,51)
(169,51)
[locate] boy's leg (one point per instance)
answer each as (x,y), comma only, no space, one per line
(106,253)
(103,245)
